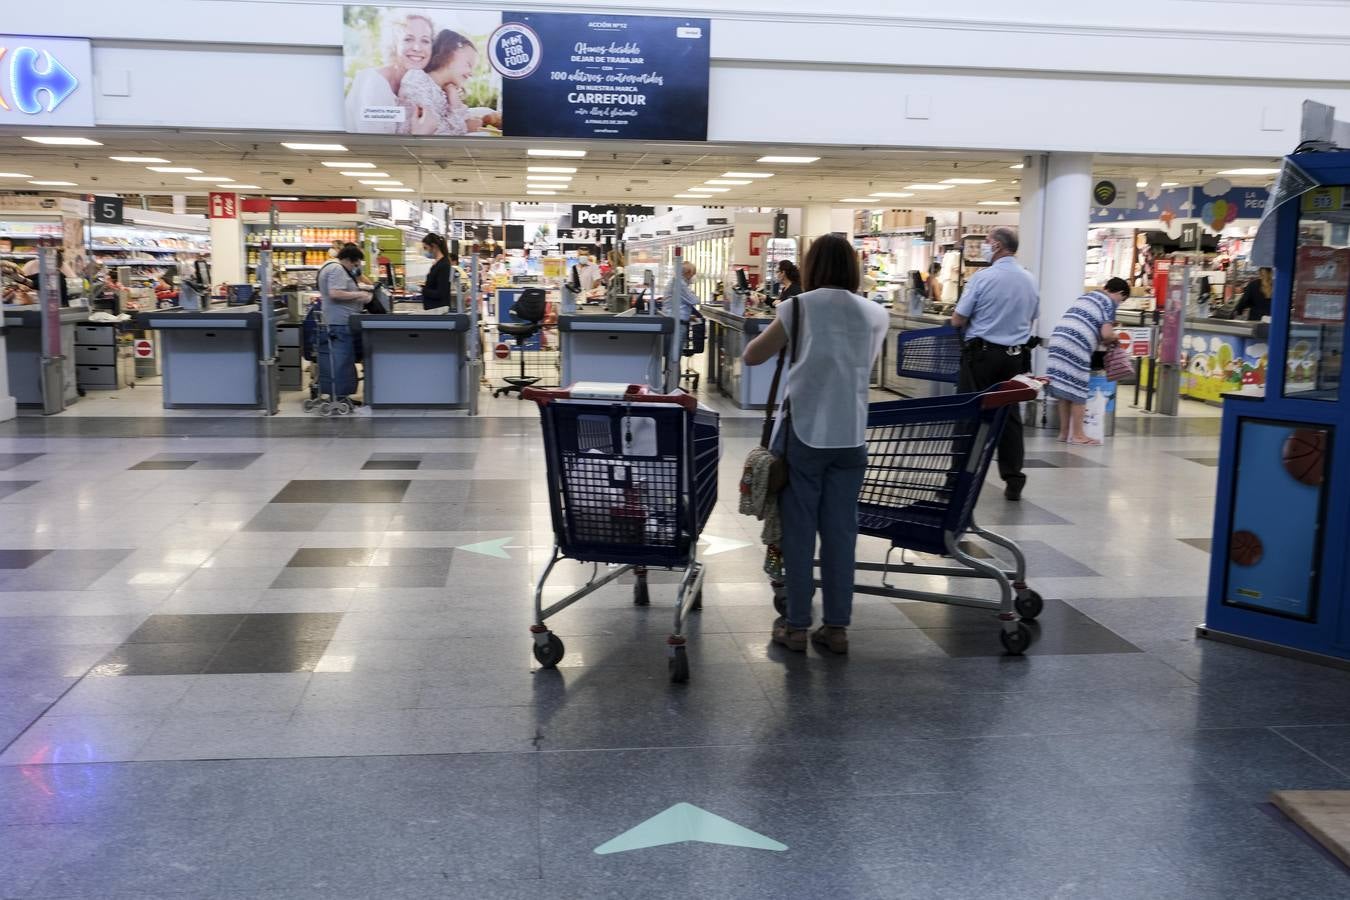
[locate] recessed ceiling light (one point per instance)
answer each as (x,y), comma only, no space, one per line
(139,159)
(541,193)
(563,178)
(929,187)
(691,196)
(967,181)
(793,160)
(1169,184)
(382,182)
(858,200)
(1226,171)
(54,183)
(175,170)
(998,203)
(1018,166)
(728,181)
(558,170)
(892,194)
(347,165)
(338,148)
(215,178)
(709,190)
(747,174)
(246,187)
(14,175)
(285,198)
(364,174)
(545,151)
(395,190)
(64,141)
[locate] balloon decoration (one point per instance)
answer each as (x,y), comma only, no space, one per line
(1217,214)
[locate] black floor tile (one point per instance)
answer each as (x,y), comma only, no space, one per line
(392,464)
(188,658)
(342,491)
(332,556)
(1205,544)
(266,657)
(1060,630)
(165,464)
(1210,461)
(993,509)
(231,461)
(10,460)
(1168,426)
(9,488)
(203,628)
(20,559)
(1033,463)
(448,461)
(287,627)
(1062,460)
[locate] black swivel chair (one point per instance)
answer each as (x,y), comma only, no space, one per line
(531,307)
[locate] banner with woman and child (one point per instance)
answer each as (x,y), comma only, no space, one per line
(439,71)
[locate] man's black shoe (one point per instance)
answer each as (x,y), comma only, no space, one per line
(1012,491)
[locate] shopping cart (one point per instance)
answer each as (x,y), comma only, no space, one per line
(632,478)
(933,354)
(926,461)
(317,347)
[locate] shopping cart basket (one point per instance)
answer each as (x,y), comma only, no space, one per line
(926,462)
(933,354)
(632,478)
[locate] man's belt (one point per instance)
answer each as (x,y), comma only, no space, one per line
(976,345)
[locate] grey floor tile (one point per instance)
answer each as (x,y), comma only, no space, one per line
(1328,743)
(123,696)
(202,628)
(161,658)
(993,510)
(1063,460)
(1205,544)
(10,488)
(165,464)
(392,464)
(20,559)
(256,693)
(264,656)
(12,460)
(344,491)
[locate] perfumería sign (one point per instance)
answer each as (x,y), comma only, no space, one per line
(45,81)
(607,216)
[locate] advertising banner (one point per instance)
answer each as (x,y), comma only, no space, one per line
(444,71)
(46,81)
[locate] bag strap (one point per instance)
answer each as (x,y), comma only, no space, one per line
(767,433)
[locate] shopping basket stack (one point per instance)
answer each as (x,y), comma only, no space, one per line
(926,462)
(933,354)
(632,478)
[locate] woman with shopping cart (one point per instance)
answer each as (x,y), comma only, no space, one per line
(832,337)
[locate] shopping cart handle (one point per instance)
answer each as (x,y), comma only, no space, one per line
(1018,390)
(616,391)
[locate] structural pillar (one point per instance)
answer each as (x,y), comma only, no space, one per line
(1056,208)
(8,407)
(821,218)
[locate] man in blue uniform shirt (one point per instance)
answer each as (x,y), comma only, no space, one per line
(996,312)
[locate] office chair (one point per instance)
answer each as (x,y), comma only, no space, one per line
(530,307)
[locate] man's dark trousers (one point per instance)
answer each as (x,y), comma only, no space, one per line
(984,367)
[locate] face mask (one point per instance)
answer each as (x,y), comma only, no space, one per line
(428,254)
(987,252)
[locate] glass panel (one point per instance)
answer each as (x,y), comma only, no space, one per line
(1317,307)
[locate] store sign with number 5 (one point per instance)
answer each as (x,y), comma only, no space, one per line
(45,81)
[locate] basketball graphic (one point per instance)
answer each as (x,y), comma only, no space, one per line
(1304,455)
(1245,548)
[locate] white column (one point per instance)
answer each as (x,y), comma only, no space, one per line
(8,407)
(1061,243)
(227,251)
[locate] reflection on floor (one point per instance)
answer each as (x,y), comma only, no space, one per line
(288,658)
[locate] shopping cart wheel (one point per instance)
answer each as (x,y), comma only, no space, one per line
(310,403)
(679,666)
(1029,603)
(325,408)
(640,595)
(1016,642)
(550,653)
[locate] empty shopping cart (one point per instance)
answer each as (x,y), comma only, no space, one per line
(933,354)
(632,478)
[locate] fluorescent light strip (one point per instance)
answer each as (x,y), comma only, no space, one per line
(1017,166)
(1224,172)
(138,159)
(64,141)
(364,174)
(967,181)
(858,200)
(736,181)
(246,187)
(792,160)
(929,187)
(709,190)
(892,194)
(216,178)
(542,193)
(557,170)
(14,175)
(565,154)
(998,203)
(395,190)
(382,182)
(692,196)
(562,178)
(285,198)
(54,183)
(337,148)
(175,170)
(347,165)
(747,174)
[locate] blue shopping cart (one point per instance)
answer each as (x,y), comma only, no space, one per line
(933,354)
(926,462)
(632,479)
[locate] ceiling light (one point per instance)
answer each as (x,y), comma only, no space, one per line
(691,196)
(561,170)
(364,174)
(967,181)
(544,151)
(175,170)
(998,203)
(347,165)
(709,190)
(382,182)
(929,187)
(1224,172)
(14,175)
(542,193)
(794,160)
(215,178)
(338,148)
(395,190)
(858,200)
(892,194)
(548,178)
(1169,184)
(747,174)
(139,159)
(728,181)
(285,198)
(54,183)
(246,187)
(1018,166)
(64,141)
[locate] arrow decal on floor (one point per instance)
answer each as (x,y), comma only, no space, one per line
(714,545)
(496,548)
(685,822)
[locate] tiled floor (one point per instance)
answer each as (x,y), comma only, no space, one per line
(289,659)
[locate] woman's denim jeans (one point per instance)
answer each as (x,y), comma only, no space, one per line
(821,496)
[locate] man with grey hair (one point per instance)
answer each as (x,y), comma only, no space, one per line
(996,312)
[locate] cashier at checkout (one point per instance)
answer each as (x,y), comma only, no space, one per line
(1255,299)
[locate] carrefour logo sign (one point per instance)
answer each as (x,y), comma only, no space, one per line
(43,81)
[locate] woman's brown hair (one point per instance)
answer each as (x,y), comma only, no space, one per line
(831,263)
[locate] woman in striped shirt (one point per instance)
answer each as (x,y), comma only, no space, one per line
(1086,324)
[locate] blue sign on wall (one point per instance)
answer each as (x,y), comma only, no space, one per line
(1184,203)
(43,81)
(601,76)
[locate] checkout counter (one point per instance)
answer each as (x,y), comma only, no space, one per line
(728,334)
(23,352)
(209,359)
(1219,356)
(415,359)
(614,348)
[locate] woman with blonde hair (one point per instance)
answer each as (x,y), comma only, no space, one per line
(379,87)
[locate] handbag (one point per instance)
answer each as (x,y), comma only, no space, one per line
(765,473)
(1117,364)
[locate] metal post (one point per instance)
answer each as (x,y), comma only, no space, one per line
(52,376)
(672,310)
(474,370)
(267,376)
